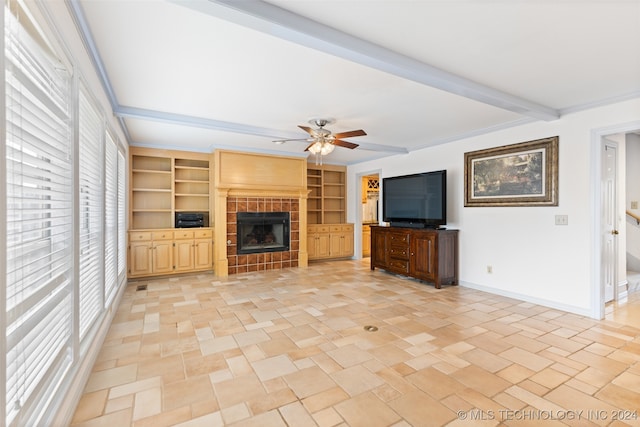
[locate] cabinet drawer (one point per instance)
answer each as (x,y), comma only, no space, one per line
(399,265)
(335,228)
(184,234)
(202,234)
(399,238)
(318,229)
(139,236)
(162,235)
(398,252)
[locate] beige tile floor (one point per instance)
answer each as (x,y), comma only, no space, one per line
(626,311)
(289,348)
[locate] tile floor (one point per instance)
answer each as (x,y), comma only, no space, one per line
(289,348)
(626,311)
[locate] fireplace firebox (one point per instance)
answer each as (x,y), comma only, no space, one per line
(262,232)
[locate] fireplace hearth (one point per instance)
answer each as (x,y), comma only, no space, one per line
(260,232)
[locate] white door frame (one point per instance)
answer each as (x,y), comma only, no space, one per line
(597,141)
(614,218)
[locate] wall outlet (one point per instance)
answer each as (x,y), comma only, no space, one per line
(634,204)
(489,269)
(562,219)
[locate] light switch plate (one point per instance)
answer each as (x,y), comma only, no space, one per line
(634,204)
(562,219)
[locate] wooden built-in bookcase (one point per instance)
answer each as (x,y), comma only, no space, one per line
(164,182)
(328,234)
(326,203)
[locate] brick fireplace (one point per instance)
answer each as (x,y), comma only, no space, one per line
(267,260)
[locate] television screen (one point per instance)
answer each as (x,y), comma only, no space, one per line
(417,200)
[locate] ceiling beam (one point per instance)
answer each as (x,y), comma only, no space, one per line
(219,125)
(273,20)
(201,122)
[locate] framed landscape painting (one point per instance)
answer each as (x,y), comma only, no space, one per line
(523,174)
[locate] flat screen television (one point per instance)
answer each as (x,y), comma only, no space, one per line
(418,200)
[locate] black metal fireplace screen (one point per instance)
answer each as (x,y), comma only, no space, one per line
(262,232)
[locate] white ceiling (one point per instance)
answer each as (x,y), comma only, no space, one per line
(200,75)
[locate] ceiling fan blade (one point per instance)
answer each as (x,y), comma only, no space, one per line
(307,129)
(344,144)
(309,146)
(282,141)
(349,134)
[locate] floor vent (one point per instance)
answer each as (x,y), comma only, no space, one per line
(141,288)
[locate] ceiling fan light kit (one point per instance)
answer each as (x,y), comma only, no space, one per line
(321,148)
(322,140)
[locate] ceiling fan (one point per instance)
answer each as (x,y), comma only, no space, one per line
(322,140)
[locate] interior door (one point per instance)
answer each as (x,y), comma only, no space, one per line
(609,232)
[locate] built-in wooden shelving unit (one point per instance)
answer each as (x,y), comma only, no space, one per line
(326,201)
(164,182)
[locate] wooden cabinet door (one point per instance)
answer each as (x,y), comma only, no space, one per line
(335,244)
(312,245)
(139,258)
(183,255)
(203,256)
(163,256)
(379,253)
(319,245)
(323,248)
(424,259)
(347,248)
(341,240)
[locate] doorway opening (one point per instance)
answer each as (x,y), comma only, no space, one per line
(368,198)
(615,295)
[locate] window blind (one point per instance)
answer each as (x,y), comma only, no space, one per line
(39,189)
(91,192)
(122,216)
(110,218)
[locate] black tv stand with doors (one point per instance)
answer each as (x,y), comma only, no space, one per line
(425,254)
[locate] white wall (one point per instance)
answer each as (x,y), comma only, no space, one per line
(633,194)
(532,258)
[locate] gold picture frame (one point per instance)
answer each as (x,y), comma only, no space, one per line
(522,174)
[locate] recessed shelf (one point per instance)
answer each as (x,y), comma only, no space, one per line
(152,190)
(157,172)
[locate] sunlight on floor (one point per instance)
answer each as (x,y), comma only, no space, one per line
(626,311)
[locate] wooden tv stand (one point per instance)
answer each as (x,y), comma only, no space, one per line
(425,254)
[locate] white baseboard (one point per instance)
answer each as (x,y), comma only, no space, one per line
(527,298)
